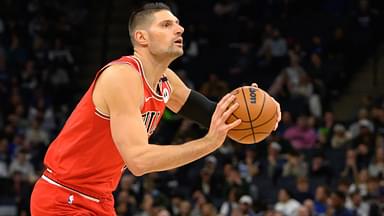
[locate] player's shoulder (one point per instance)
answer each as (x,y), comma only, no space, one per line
(120,72)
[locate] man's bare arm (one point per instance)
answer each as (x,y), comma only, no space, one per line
(121,88)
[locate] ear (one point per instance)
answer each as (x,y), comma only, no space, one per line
(141,37)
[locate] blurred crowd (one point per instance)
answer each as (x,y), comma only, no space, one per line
(302,52)
(38,42)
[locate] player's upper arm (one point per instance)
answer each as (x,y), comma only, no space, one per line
(122,90)
(180,92)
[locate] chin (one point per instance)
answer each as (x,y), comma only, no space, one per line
(177,53)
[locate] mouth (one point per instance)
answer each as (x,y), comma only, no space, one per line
(179,42)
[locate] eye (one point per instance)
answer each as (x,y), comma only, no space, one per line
(167,24)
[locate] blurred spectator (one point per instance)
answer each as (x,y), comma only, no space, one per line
(310,206)
(320,170)
(161,211)
(341,137)
(357,204)
(337,205)
(199,201)
(365,134)
(289,77)
(317,45)
(322,194)
(316,72)
(250,166)
(375,190)
(363,155)
(305,88)
(272,164)
(185,208)
(274,47)
(350,168)
(303,211)
(286,204)
(343,185)
(43,111)
(295,166)
(175,204)
(378,120)
(60,55)
(4,159)
(233,179)
(376,167)
(125,204)
(246,205)
(214,88)
(147,205)
(325,128)
(208,209)
(285,123)
(362,119)
(21,188)
(206,184)
(230,203)
(360,183)
(3,169)
(21,164)
(302,191)
(301,135)
(35,134)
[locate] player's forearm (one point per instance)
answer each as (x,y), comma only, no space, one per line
(160,158)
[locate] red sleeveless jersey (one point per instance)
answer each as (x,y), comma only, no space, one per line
(84,157)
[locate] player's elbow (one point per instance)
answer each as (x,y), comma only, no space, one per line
(137,172)
(137,166)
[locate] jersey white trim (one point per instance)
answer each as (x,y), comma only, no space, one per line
(101,116)
(101,112)
(146,81)
(50,181)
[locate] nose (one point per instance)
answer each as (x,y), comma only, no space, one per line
(180,29)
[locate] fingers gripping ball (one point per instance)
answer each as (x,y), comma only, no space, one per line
(258,112)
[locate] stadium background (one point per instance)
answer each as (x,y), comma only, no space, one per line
(322,59)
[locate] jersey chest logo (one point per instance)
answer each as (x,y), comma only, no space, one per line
(150,119)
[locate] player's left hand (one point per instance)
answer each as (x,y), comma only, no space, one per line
(278,108)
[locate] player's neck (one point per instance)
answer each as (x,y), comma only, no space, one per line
(154,67)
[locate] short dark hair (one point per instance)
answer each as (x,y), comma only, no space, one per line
(142,13)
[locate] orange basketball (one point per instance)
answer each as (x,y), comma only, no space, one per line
(258,113)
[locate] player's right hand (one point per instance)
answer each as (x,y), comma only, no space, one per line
(219,128)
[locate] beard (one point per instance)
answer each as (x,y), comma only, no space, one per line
(175,51)
(171,51)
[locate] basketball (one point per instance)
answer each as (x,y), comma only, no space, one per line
(258,112)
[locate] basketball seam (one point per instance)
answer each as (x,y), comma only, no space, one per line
(267,121)
(249,114)
(234,129)
(253,135)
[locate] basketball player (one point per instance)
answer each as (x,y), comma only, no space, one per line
(108,130)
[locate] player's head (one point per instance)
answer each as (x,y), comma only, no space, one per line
(155,28)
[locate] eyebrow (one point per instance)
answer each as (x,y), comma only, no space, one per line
(170,20)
